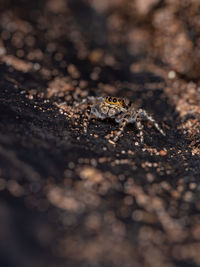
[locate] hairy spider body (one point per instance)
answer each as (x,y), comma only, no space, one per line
(122,110)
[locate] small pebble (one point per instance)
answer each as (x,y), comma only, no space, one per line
(163,153)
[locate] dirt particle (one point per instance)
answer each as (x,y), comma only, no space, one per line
(163,153)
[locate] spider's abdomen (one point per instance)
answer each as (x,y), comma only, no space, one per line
(98,113)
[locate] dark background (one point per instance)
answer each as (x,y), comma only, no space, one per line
(73,199)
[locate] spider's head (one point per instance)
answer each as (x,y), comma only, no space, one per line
(114,101)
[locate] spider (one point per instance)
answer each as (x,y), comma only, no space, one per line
(122,110)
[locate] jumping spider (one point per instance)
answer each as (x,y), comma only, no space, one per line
(122,110)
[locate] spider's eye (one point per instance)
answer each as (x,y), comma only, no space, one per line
(110,99)
(114,100)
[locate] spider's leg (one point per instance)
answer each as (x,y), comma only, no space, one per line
(151,119)
(122,126)
(86,118)
(140,127)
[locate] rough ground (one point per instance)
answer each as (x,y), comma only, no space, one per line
(70,199)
